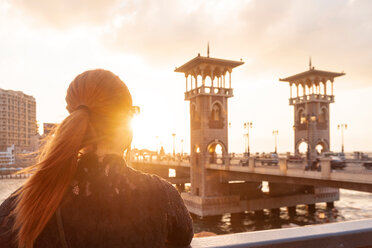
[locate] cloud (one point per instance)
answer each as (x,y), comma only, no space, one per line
(271,33)
(67,13)
(167,28)
(276,36)
(46,43)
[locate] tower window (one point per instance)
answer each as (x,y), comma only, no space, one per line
(216,112)
(193,110)
(301,117)
(322,116)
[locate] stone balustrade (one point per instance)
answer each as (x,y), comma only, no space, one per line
(208,90)
(310,98)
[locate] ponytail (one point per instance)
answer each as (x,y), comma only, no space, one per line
(96,100)
(41,195)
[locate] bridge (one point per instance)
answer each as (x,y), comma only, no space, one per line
(290,184)
(353,177)
(219,183)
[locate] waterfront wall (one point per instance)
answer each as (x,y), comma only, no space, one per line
(356,234)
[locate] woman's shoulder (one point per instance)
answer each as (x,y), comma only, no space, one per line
(152,185)
(159,186)
(146,180)
(113,172)
(7,221)
(8,205)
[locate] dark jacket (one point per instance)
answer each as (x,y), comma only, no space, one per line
(111,205)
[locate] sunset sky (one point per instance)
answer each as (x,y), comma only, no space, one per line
(46,43)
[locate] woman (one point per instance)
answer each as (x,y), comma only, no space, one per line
(81,193)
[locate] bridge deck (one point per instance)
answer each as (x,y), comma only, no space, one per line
(358,179)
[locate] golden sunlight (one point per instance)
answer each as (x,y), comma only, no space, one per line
(148,133)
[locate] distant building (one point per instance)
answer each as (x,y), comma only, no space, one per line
(18,125)
(48,128)
(7,156)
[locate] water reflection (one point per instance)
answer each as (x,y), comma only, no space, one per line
(250,221)
(353,205)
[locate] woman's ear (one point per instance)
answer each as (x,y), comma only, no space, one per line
(123,137)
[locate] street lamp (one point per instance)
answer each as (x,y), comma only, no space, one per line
(342,127)
(275,133)
(247,127)
(157,145)
(174,145)
(308,120)
(181,149)
(294,139)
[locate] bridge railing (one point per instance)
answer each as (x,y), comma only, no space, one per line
(159,159)
(344,234)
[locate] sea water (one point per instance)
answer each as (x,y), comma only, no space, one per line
(353,205)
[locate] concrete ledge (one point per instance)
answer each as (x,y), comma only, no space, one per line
(217,205)
(345,234)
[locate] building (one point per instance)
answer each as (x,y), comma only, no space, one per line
(48,128)
(18,125)
(7,156)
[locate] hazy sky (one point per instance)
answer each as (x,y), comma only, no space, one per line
(46,43)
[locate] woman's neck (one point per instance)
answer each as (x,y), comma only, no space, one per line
(101,151)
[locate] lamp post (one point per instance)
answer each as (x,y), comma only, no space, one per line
(342,127)
(157,145)
(309,119)
(275,133)
(294,139)
(229,128)
(181,149)
(247,127)
(174,145)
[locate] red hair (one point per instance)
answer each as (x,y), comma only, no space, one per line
(97,100)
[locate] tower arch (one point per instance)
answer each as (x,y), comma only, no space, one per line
(301,146)
(216,151)
(321,146)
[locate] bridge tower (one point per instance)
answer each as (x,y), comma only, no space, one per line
(311,108)
(208,87)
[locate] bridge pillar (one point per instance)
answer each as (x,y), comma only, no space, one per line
(226,159)
(330,205)
(283,166)
(311,208)
(325,167)
(251,163)
(259,213)
(291,210)
(275,211)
